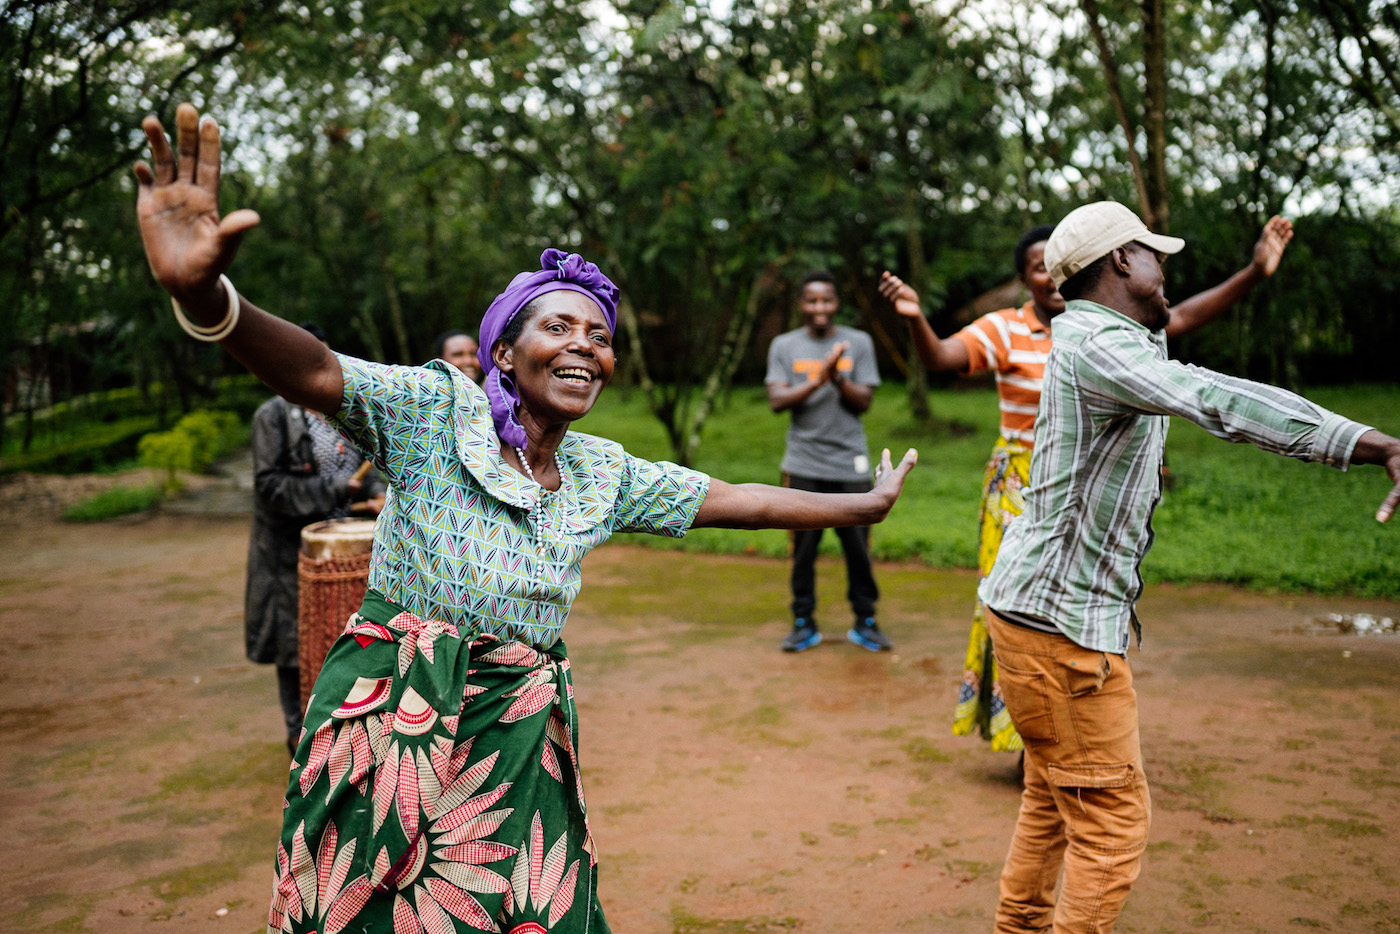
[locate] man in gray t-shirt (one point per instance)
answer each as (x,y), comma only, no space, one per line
(825,375)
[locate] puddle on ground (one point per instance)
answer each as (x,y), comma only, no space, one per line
(1350,624)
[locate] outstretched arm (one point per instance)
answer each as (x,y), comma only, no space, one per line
(1376,448)
(1118,369)
(189,247)
(935,353)
(1205,307)
(760,506)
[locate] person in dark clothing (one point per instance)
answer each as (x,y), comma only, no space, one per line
(303,472)
(825,375)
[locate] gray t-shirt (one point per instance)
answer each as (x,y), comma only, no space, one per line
(825,440)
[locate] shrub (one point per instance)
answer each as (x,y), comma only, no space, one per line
(213,433)
(118,501)
(171,451)
(98,446)
(192,445)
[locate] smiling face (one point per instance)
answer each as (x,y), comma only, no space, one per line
(561,361)
(460,351)
(819,305)
(1036,278)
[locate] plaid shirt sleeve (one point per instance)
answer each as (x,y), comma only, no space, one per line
(1122,370)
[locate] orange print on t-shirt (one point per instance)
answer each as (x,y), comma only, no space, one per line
(812,369)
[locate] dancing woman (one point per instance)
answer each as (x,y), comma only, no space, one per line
(1014,343)
(436,785)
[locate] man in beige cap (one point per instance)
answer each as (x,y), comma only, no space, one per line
(1062,592)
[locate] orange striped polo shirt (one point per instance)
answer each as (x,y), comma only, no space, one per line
(1015,344)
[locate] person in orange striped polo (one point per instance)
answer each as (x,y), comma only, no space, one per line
(1014,343)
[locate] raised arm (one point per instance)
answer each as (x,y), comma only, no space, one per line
(189,247)
(1204,307)
(934,352)
(760,506)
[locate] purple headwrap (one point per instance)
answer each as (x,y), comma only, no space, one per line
(558,270)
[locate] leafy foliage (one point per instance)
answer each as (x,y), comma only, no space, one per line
(89,447)
(192,445)
(407,159)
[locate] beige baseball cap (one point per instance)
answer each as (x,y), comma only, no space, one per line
(1095,230)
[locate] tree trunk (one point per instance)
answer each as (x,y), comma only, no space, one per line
(917,376)
(1154,44)
(1120,107)
(736,344)
(627,314)
(636,357)
(435,295)
(369,332)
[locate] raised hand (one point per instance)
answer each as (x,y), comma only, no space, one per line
(1374,447)
(177,207)
(1268,251)
(1392,501)
(889,479)
(901,295)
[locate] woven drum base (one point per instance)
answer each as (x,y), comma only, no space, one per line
(329,590)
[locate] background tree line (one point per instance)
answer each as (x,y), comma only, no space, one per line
(408,158)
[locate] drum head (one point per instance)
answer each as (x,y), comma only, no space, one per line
(338,538)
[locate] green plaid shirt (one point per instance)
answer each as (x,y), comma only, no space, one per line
(1073,555)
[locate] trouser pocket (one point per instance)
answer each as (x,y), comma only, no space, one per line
(1027,697)
(1086,673)
(1104,806)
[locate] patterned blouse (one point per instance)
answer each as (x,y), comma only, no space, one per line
(464,537)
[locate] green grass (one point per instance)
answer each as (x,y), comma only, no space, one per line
(117,501)
(1236,514)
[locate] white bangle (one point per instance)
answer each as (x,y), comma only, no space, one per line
(218,331)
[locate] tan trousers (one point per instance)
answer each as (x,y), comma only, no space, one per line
(1085,808)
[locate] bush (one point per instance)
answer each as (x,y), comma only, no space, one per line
(98,446)
(171,451)
(213,433)
(118,501)
(61,429)
(192,445)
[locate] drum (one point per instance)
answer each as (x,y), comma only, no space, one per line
(332,575)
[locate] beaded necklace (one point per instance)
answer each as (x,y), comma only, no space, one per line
(558,465)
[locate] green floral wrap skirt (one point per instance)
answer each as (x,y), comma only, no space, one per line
(436,788)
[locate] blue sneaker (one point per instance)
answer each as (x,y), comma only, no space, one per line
(804,635)
(868,636)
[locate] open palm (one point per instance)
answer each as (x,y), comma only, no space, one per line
(177,207)
(901,295)
(1268,251)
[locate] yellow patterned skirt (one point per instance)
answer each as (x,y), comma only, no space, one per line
(980,704)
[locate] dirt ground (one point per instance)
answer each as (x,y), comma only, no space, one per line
(734,788)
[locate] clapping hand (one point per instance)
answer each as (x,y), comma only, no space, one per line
(833,360)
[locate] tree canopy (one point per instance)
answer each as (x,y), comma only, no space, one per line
(408,158)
